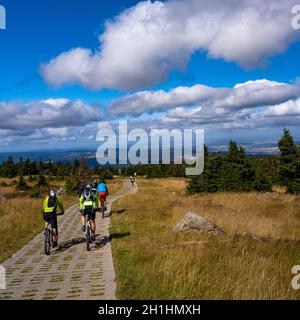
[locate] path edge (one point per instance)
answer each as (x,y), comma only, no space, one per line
(109,273)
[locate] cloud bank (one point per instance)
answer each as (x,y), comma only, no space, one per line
(251,94)
(52,113)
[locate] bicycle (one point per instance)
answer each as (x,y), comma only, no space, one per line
(48,237)
(88,232)
(102,208)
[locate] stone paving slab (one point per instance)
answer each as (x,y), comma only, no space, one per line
(70,272)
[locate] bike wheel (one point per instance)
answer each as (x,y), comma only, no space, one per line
(47,242)
(103,211)
(88,237)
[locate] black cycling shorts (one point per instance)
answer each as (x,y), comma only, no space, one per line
(51,218)
(89,211)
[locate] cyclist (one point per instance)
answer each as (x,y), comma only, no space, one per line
(131,180)
(50,215)
(102,192)
(94,185)
(88,206)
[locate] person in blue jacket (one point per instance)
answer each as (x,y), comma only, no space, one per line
(102,192)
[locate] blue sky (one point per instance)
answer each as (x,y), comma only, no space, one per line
(146,48)
(39,30)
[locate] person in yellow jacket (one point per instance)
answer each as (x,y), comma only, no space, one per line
(88,206)
(51,203)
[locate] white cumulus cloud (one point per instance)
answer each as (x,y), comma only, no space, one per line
(140,46)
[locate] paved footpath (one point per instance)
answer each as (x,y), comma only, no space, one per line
(70,272)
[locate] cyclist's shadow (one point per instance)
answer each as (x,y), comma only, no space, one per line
(68,244)
(101,242)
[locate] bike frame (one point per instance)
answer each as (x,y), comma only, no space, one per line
(49,231)
(102,208)
(88,231)
(48,238)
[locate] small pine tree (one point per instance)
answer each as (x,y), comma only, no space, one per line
(76,164)
(289,167)
(70,186)
(21,184)
(42,181)
(235,153)
(262,182)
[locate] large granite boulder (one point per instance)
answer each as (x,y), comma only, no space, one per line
(192,221)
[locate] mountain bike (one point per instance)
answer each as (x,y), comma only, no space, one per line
(88,232)
(48,237)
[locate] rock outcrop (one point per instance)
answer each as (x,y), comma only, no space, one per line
(192,221)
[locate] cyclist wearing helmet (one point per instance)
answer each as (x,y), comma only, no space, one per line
(50,215)
(102,192)
(132,180)
(88,206)
(94,185)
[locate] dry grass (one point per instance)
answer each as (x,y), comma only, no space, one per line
(114,185)
(153,263)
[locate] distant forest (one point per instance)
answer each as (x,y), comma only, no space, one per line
(233,171)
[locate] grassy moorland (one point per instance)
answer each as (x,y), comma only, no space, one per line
(153,263)
(21,216)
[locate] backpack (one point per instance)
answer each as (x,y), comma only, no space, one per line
(51,202)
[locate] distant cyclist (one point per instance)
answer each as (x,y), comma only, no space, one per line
(102,192)
(50,215)
(88,204)
(132,180)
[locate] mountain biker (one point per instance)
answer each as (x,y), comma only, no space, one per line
(94,185)
(88,205)
(102,192)
(50,215)
(131,180)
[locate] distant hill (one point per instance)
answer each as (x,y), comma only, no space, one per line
(68,156)
(54,155)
